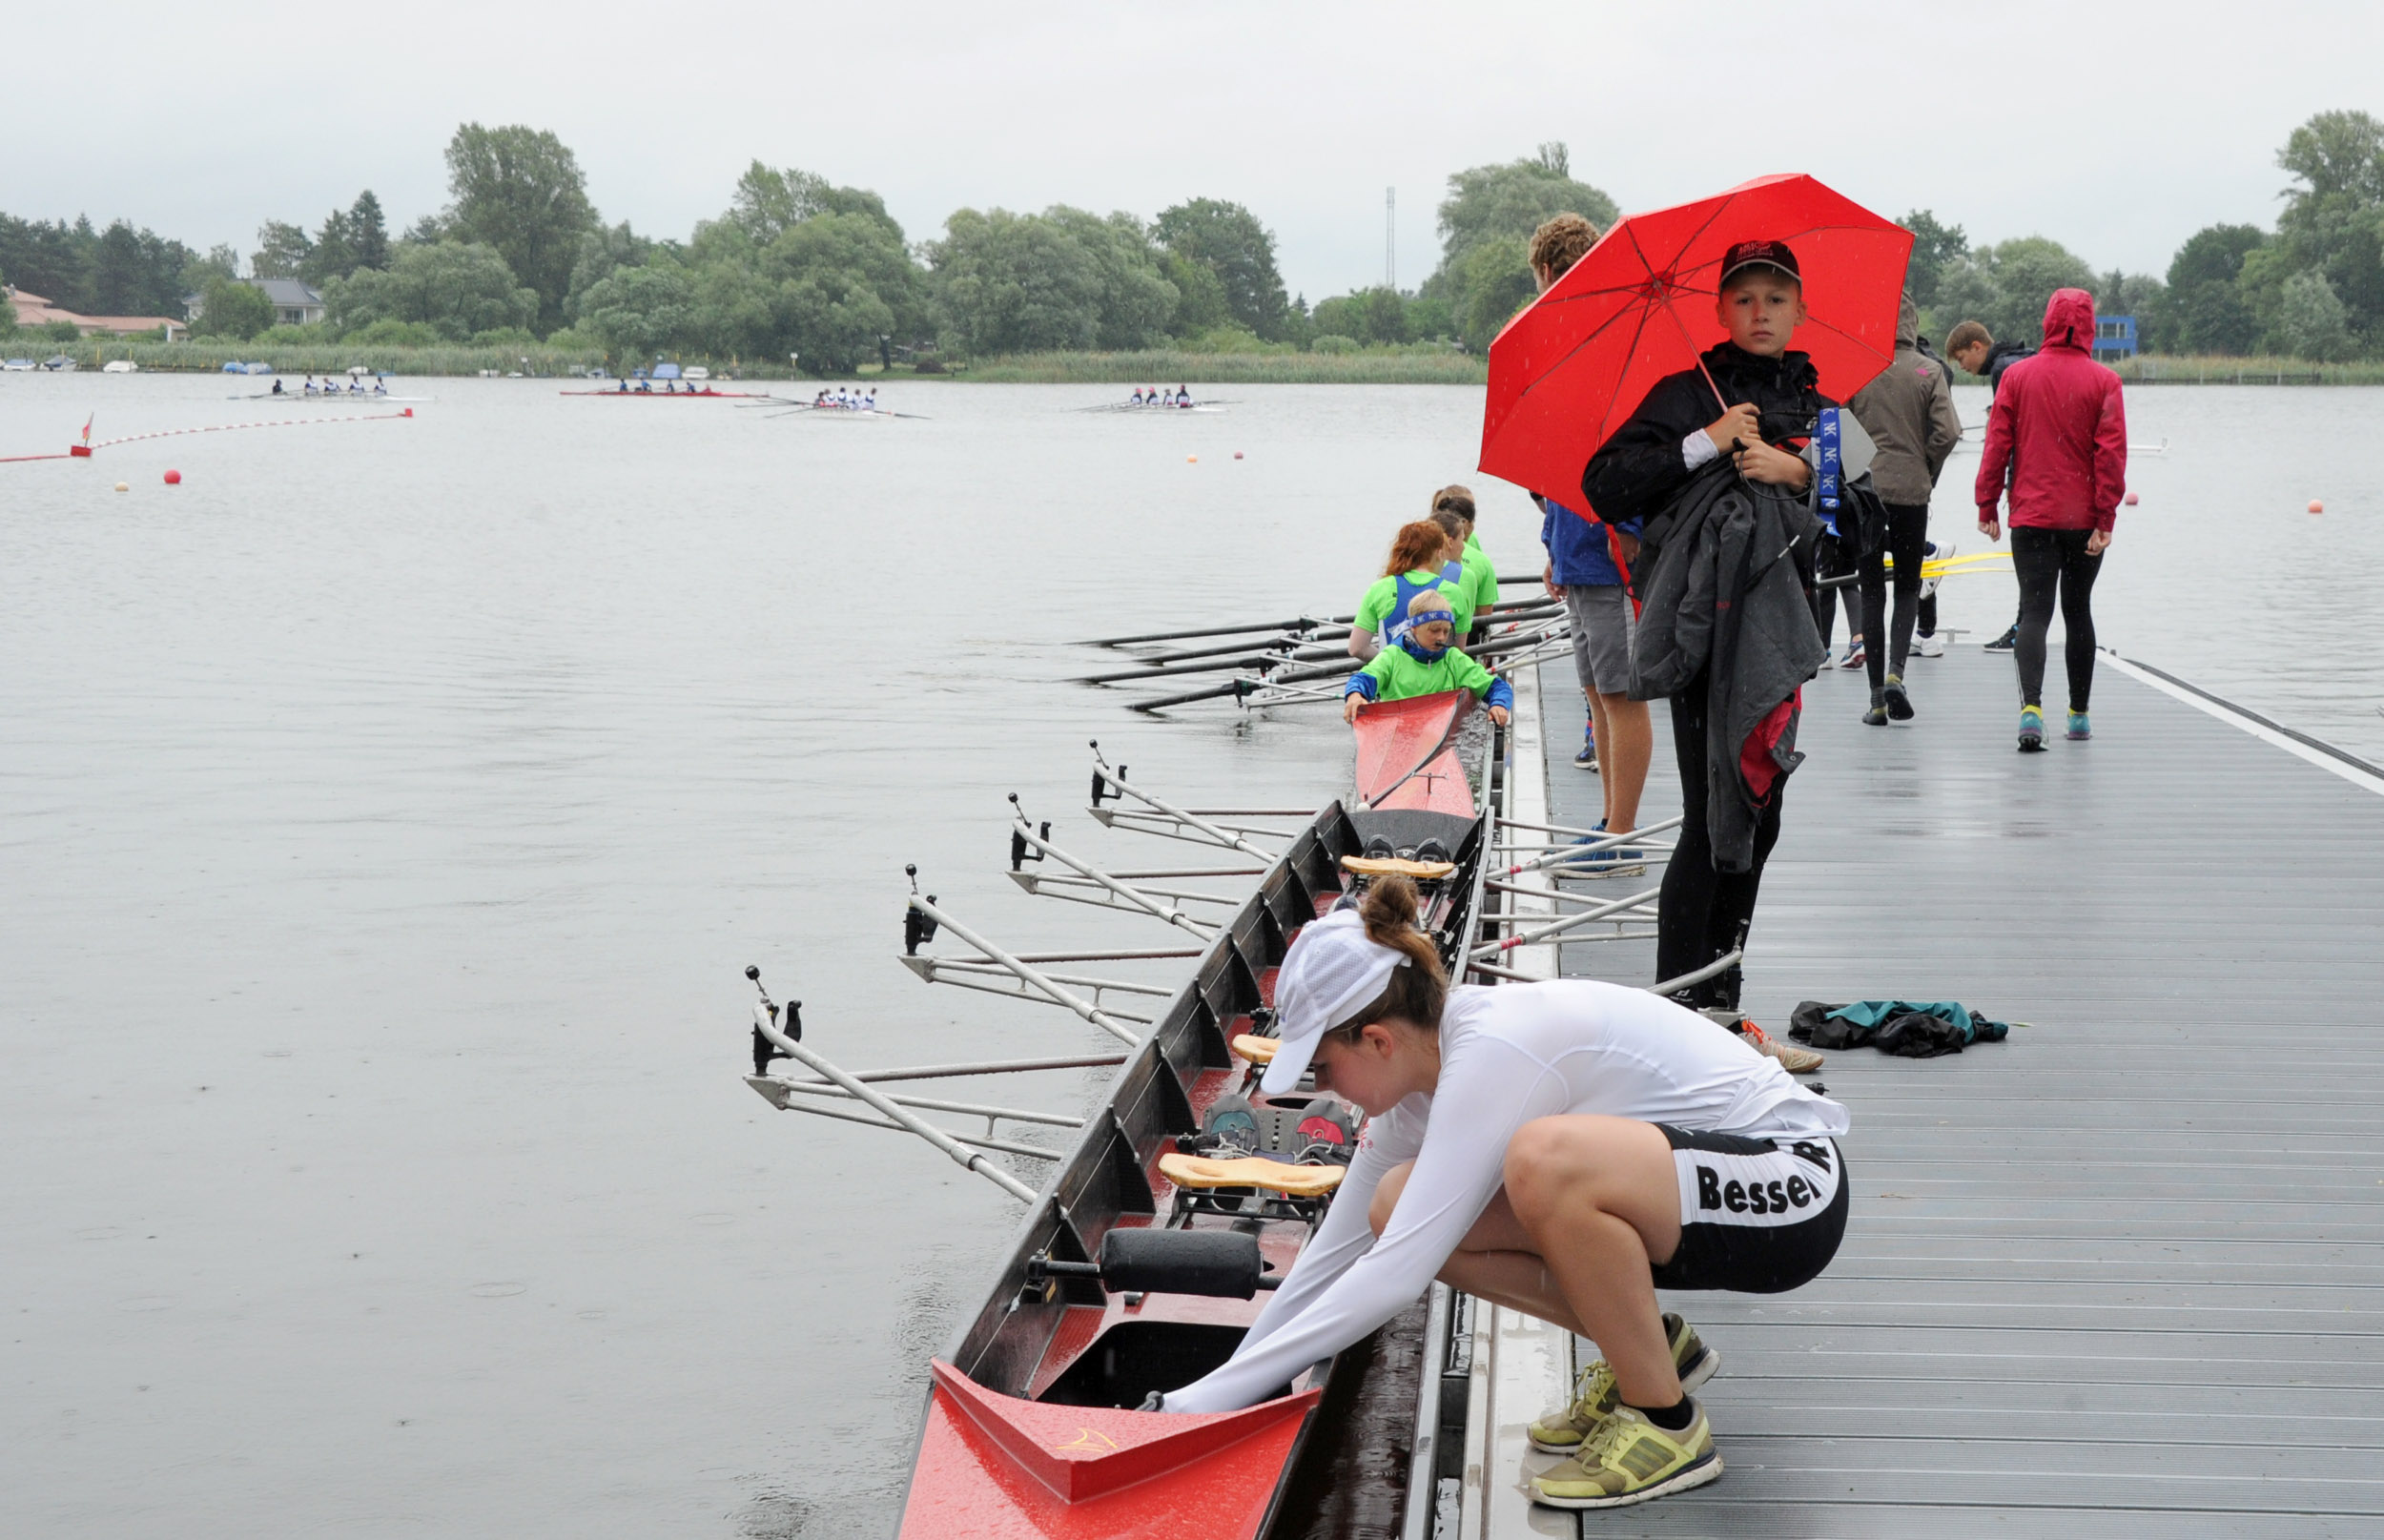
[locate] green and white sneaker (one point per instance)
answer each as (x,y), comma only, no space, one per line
(1596,1395)
(1630,1460)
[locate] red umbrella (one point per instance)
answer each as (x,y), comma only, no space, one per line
(1570,370)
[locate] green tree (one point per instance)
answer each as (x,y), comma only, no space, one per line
(281,250)
(1200,304)
(368,231)
(520,191)
(1933,246)
(1014,283)
(1369,316)
(232,309)
(640,312)
(8,316)
(2006,286)
(1228,242)
(603,251)
(1492,281)
(455,288)
(2207,310)
(2312,320)
(1137,302)
(2333,223)
(1514,199)
(839,282)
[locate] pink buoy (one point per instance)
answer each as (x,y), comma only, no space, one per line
(2129,500)
(1237,454)
(2315,507)
(174,478)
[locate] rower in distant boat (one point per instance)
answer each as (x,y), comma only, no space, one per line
(310,386)
(276,388)
(1426,661)
(1183,395)
(870,405)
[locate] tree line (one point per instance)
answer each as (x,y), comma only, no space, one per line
(796,265)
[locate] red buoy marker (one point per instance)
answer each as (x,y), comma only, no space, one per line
(2129,500)
(2315,507)
(174,478)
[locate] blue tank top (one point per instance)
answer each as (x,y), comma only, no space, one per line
(1396,624)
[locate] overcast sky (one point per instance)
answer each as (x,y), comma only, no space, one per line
(2118,129)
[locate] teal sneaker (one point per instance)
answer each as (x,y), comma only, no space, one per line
(2079,728)
(2031,730)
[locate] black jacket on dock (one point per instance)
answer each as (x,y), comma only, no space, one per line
(1639,468)
(1727,601)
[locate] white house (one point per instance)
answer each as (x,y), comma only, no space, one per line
(294,303)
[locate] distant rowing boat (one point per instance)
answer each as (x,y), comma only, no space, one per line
(1158,408)
(352,398)
(707,393)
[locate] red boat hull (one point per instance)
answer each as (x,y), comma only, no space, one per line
(1406,760)
(1001,1468)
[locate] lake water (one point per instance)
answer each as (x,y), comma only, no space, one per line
(390,809)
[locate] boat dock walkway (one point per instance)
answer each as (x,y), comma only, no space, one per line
(2121,1275)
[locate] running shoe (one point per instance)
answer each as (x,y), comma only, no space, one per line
(1877,715)
(1792,1059)
(1587,758)
(2079,728)
(1853,658)
(1898,703)
(1614,861)
(2031,730)
(1629,1460)
(1931,646)
(2007,641)
(1595,1394)
(1934,552)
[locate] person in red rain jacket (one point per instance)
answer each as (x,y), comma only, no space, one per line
(2060,427)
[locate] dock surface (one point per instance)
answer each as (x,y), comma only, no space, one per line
(2121,1275)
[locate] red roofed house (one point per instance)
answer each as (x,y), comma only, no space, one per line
(32,310)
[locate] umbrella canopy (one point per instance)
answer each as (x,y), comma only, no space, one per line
(1570,370)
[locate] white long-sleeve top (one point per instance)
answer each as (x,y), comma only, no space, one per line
(1508,1055)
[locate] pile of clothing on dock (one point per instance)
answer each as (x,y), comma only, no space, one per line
(1914,1029)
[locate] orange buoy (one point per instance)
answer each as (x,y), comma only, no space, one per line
(174,478)
(2129,500)
(2315,507)
(1191,459)
(124,486)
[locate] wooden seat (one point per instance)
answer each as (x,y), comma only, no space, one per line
(1390,866)
(1198,1173)
(1256,1049)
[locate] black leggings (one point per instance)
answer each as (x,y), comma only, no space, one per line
(1703,913)
(2046,559)
(1907,539)
(1834,556)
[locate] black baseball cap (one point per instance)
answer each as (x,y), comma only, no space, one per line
(1759,254)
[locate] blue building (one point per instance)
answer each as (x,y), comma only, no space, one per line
(2114,338)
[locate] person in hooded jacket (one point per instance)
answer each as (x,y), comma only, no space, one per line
(1908,411)
(1759,641)
(1974,347)
(2057,453)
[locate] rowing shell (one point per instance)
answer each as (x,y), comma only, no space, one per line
(706,394)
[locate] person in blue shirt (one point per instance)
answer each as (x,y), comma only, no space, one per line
(1584,571)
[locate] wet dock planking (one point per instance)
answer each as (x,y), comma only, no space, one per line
(2123,1274)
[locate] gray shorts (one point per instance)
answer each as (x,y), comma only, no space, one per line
(1601,638)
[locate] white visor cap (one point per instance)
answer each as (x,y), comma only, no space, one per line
(1331,973)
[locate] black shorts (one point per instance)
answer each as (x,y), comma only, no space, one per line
(1756,1216)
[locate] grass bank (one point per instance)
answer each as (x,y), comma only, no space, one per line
(2163,369)
(329,358)
(1169,367)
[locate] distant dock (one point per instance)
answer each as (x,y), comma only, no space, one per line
(2121,1276)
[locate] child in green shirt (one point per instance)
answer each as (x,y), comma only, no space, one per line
(1422,662)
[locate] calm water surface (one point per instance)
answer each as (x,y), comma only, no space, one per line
(389,809)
